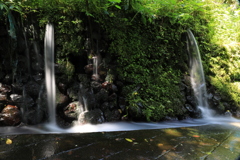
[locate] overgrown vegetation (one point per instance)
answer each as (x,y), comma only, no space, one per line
(146,38)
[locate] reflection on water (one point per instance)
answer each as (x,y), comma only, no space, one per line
(118,126)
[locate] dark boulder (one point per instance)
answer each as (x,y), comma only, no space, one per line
(93,117)
(10,115)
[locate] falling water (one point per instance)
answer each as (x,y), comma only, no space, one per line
(49,72)
(95,67)
(197,75)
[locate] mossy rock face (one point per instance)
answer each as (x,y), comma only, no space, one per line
(67,68)
(142,48)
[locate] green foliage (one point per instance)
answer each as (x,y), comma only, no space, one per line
(67,68)
(146,38)
(6,9)
(222,51)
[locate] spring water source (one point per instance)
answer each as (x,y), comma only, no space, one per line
(51,127)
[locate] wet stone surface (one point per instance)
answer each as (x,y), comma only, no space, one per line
(212,142)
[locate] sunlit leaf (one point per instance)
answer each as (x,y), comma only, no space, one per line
(145,140)
(117,6)
(8,141)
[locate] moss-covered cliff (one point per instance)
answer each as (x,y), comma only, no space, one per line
(142,47)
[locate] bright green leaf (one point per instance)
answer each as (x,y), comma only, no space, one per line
(117,6)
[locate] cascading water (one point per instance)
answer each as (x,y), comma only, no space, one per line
(197,75)
(49,73)
(197,80)
(95,67)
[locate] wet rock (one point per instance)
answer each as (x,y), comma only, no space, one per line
(210,96)
(38,77)
(217,97)
(61,99)
(114,115)
(104,106)
(236,114)
(194,113)
(89,68)
(182,86)
(17,87)
(96,86)
(168,118)
(62,87)
(93,117)
(187,80)
(228,114)
(8,78)
(113,97)
(10,115)
(34,116)
(83,78)
(25,102)
(95,77)
(114,88)
(37,62)
(5,88)
(122,103)
(101,96)
(73,110)
(106,85)
(32,88)
(73,92)
(15,97)
(90,99)
(102,73)
(189,108)
(3,97)
(191,100)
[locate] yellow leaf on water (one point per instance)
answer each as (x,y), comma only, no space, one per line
(8,141)
(129,140)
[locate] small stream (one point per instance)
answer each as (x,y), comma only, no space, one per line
(115,126)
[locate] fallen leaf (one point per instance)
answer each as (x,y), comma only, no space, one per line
(129,140)
(8,141)
(160,144)
(196,136)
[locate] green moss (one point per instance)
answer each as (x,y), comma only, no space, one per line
(147,40)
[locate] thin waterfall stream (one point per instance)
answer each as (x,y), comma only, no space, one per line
(50,72)
(197,75)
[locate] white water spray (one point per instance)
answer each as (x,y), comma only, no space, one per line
(197,76)
(50,73)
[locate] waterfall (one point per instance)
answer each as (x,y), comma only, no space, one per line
(49,73)
(95,67)
(197,75)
